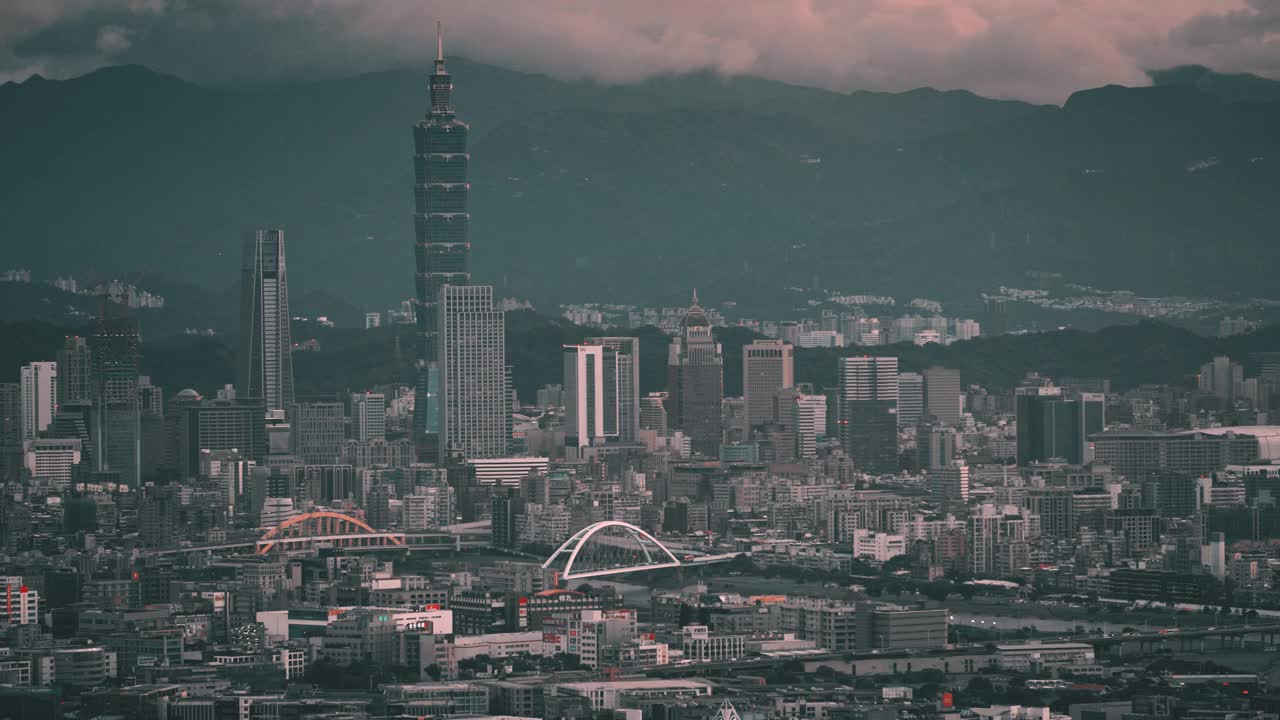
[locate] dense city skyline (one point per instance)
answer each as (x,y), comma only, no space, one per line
(928,503)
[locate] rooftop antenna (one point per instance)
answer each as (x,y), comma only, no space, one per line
(439,41)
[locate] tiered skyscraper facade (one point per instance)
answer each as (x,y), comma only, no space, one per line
(441,219)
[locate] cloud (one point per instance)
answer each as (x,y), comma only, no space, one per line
(1034,49)
(113,39)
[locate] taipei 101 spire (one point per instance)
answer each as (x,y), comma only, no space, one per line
(441,219)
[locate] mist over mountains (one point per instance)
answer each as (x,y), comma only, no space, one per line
(740,187)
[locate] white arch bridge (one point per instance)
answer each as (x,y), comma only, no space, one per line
(614,547)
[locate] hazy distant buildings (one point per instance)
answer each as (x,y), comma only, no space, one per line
(475,400)
(869,412)
(767,367)
(265,361)
(39,381)
(942,394)
(1221,377)
(695,383)
(441,218)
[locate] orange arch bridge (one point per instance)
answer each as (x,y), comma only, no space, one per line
(324,527)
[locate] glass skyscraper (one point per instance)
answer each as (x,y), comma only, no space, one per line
(114,352)
(441,220)
(266,344)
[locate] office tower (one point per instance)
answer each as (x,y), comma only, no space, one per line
(1093,407)
(767,367)
(622,385)
(74,370)
(217,425)
(368,416)
(869,412)
(265,360)
(1049,426)
(695,382)
(39,397)
(807,420)
(319,432)
(114,353)
(910,398)
(653,413)
(506,507)
(441,244)
(151,438)
(950,483)
(584,395)
(474,408)
(935,446)
(942,394)
(10,428)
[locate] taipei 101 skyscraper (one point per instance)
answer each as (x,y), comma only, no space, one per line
(441,219)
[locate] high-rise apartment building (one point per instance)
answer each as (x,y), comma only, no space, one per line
(441,219)
(114,353)
(695,383)
(368,416)
(942,394)
(265,361)
(475,399)
(39,397)
(74,371)
(869,412)
(622,386)
(910,398)
(767,367)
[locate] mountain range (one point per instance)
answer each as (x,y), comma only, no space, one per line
(741,187)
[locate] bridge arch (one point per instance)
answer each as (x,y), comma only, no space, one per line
(633,550)
(333,526)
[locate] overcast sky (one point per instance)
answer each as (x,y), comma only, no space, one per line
(1031,49)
